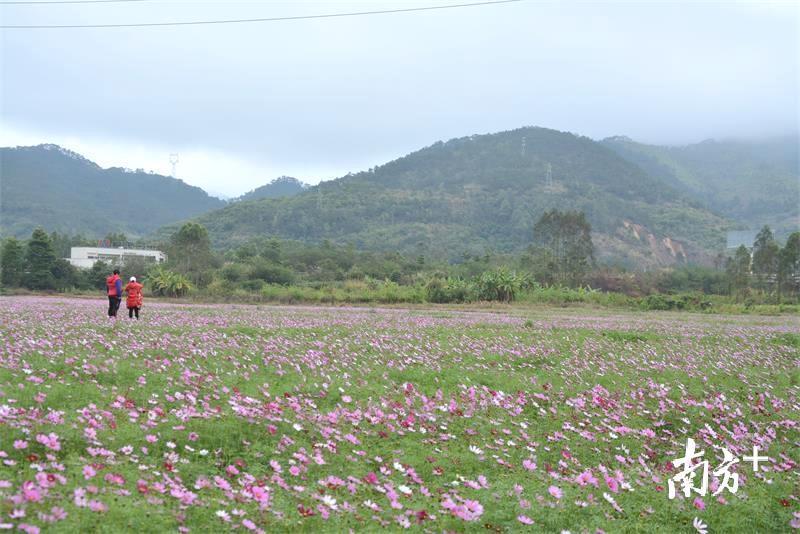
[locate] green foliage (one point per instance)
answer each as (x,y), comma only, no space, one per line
(163,282)
(751,182)
(472,193)
(271,273)
(57,189)
(564,240)
(789,266)
(676,302)
(738,271)
(444,290)
(630,337)
(283,186)
(787,339)
(190,253)
(501,284)
(12,263)
(95,277)
(40,260)
(693,278)
(765,258)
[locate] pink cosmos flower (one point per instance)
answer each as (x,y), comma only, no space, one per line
(30,492)
(49,440)
(529,464)
(97,506)
(88,472)
(586,478)
(524,519)
(20,444)
(555,491)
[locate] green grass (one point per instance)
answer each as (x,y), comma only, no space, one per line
(372,357)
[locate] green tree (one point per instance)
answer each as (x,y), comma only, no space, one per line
(765,259)
(65,275)
(95,278)
(41,260)
(190,253)
(564,240)
(12,263)
(738,270)
(117,239)
(789,266)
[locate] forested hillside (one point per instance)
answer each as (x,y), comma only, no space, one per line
(61,191)
(283,186)
(751,182)
(486,192)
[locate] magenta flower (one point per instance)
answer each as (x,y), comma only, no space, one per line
(49,440)
(530,465)
(88,472)
(555,491)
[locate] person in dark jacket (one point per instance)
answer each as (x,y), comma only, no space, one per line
(114,287)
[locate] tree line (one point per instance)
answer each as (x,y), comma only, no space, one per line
(561,254)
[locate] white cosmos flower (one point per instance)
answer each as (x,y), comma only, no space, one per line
(475,450)
(329,501)
(404,489)
(699,526)
(398,466)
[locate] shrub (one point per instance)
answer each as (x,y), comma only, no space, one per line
(271,273)
(441,290)
(167,283)
(501,284)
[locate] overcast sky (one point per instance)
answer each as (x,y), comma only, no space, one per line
(244,103)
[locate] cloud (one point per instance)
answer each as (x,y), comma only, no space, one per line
(316,99)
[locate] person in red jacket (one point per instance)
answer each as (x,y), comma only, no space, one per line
(134,301)
(114,287)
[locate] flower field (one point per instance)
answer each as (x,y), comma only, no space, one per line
(263,419)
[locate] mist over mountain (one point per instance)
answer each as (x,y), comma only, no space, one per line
(60,190)
(485,192)
(751,182)
(648,205)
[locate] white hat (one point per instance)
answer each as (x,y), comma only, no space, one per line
(133,278)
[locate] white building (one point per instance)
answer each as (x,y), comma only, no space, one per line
(85,257)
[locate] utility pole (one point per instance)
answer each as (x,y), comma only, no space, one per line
(173,160)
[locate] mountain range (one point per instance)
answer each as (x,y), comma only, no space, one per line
(62,191)
(282,186)
(648,205)
(752,183)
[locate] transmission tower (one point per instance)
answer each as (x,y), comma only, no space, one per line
(549,175)
(523,146)
(173,160)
